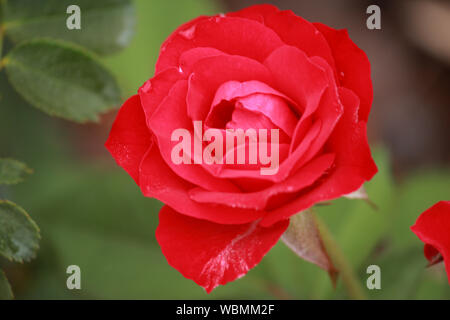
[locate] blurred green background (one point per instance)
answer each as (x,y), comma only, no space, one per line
(91,213)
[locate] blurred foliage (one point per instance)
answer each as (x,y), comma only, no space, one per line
(19,235)
(48,69)
(61,80)
(58,78)
(91,213)
(5,289)
(13,171)
(107,25)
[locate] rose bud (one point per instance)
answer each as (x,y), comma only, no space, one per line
(433,228)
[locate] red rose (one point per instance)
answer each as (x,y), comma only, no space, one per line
(255,68)
(433,228)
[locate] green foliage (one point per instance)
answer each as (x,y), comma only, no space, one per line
(107,25)
(61,80)
(402,261)
(48,70)
(19,235)
(5,288)
(13,171)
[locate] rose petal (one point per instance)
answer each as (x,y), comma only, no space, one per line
(222,33)
(234,89)
(189,58)
(260,98)
(432,227)
(170,116)
(130,137)
(354,163)
(292,29)
(213,254)
(303,178)
(210,73)
(349,139)
(298,77)
(170,58)
(158,181)
(274,108)
(329,111)
(353,66)
(285,167)
(153,91)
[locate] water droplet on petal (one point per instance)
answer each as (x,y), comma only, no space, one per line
(188,33)
(147,86)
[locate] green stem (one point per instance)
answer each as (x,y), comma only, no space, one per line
(2,33)
(3,63)
(349,279)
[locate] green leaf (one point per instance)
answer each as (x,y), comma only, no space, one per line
(106,25)
(61,80)
(13,171)
(5,288)
(19,235)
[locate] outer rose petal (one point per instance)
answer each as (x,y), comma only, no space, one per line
(129,138)
(222,33)
(353,66)
(349,140)
(433,228)
(154,91)
(213,254)
(170,58)
(189,58)
(292,29)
